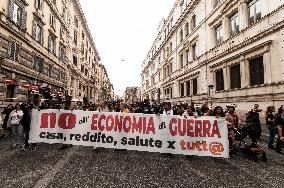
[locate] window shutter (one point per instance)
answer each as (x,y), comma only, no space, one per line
(19,16)
(12,57)
(49,45)
(17,48)
(34,29)
(41,64)
(35,62)
(36,4)
(42,39)
(11,8)
(41,4)
(54,23)
(24,19)
(54,47)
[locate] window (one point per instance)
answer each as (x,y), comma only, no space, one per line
(216,3)
(61,75)
(38,64)
(17,14)
(54,2)
(254,11)
(194,86)
(11,91)
(168,51)
(82,68)
(52,44)
(52,21)
(39,4)
(186,29)
(171,47)
(234,24)
(219,80)
(193,22)
(219,35)
(38,32)
(74,60)
(256,71)
(50,70)
(62,32)
(181,89)
(181,35)
(62,54)
(75,37)
(82,48)
(194,51)
(188,88)
(86,72)
(187,56)
(76,22)
(14,51)
(170,68)
(83,35)
(159,77)
(63,12)
(165,72)
(181,61)
(153,80)
(235,76)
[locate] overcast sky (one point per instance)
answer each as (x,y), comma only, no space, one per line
(123,31)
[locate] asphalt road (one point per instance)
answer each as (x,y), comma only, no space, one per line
(81,167)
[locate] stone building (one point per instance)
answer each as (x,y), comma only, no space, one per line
(132,95)
(106,90)
(220,51)
(46,49)
(84,57)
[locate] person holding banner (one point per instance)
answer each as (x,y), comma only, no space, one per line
(168,110)
(73,106)
(102,108)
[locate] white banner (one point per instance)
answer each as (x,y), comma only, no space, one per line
(202,136)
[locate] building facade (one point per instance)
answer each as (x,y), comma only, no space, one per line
(106,91)
(132,95)
(46,49)
(220,51)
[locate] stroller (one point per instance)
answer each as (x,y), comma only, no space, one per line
(253,150)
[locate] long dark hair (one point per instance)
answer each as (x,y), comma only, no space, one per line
(215,111)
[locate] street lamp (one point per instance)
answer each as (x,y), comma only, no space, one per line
(209,93)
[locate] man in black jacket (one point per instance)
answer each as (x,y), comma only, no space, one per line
(253,124)
(25,122)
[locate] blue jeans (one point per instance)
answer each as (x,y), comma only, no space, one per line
(271,131)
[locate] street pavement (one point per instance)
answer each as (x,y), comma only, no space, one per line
(79,166)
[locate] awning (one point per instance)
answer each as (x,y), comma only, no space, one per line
(11,82)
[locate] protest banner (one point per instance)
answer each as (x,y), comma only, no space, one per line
(202,136)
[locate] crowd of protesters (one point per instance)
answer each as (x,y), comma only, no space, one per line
(15,120)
